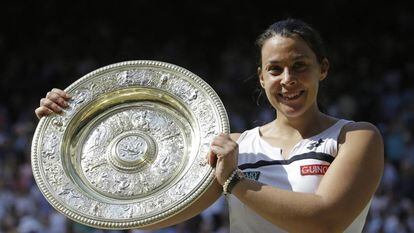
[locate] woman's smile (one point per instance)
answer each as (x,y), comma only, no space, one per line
(291,96)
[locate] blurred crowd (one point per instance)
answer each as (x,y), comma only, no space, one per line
(370,80)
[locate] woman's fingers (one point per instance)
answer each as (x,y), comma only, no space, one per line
(47,103)
(54,102)
(212,158)
(42,111)
(62,93)
(57,98)
(219,151)
(223,156)
(223,144)
(221,139)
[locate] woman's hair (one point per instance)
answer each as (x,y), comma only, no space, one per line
(290,28)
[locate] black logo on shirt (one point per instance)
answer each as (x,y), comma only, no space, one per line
(254,175)
(314,145)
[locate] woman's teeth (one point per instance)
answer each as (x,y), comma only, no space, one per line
(291,96)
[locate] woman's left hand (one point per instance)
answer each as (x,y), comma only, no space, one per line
(224,156)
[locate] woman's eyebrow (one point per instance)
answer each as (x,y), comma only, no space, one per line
(300,56)
(294,57)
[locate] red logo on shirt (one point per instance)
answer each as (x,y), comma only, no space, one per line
(313,169)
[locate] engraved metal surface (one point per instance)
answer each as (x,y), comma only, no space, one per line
(129,151)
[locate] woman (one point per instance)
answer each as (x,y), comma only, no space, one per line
(306,171)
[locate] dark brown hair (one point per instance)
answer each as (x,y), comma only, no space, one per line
(290,28)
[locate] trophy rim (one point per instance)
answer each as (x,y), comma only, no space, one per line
(157,218)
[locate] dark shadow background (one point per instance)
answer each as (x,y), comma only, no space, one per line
(52,43)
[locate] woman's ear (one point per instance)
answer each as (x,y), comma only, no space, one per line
(324,69)
(259,73)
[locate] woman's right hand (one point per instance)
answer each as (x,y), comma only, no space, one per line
(54,102)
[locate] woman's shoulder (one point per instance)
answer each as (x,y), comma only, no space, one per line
(361,126)
(360,132)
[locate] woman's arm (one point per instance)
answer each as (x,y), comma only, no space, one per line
(344,191)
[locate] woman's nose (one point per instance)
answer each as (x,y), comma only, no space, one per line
(288,78)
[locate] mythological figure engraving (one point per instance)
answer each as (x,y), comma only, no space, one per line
(131,148)
(50,146)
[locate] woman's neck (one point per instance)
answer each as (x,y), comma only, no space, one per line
(308,124)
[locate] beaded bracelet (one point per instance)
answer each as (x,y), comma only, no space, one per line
(233,179)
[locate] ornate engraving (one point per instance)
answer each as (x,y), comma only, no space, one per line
(131,148)
(163,80)
(185,90)
(50,146)
(54,174)
(80,96)
(111,178)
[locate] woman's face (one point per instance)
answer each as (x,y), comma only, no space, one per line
(290,74)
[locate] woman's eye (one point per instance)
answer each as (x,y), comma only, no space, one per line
(275,70)
(299,66)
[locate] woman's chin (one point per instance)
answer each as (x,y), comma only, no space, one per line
(292,108)
(292,112)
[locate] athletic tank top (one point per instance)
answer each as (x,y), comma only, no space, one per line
(302,171)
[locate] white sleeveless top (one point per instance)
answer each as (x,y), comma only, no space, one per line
(302,171)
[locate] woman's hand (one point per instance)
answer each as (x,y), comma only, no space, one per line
(54,102)
(224,156)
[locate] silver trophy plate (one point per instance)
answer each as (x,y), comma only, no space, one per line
(129,151)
